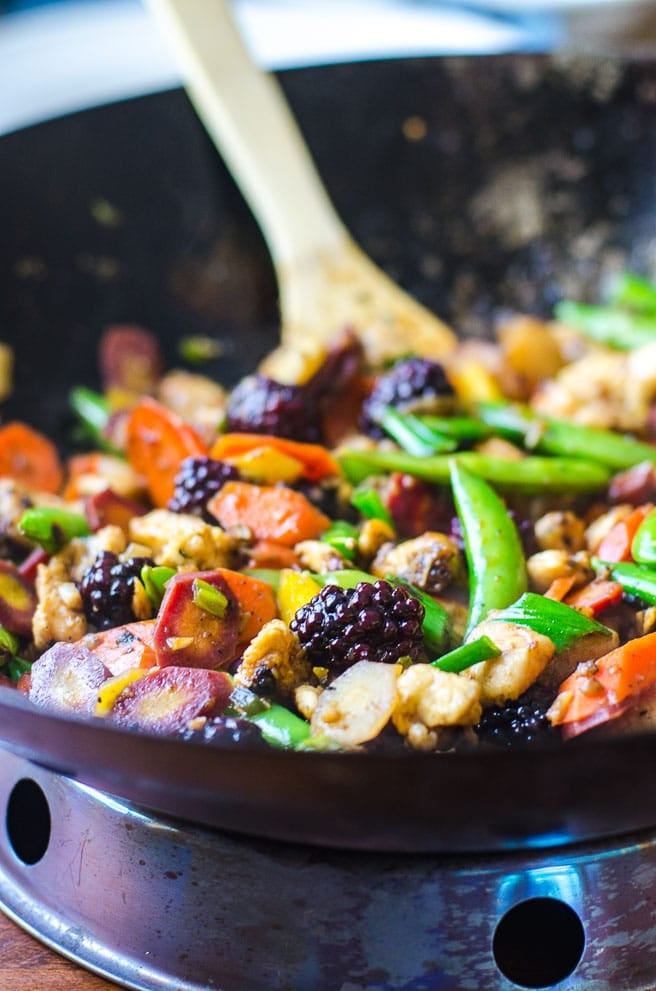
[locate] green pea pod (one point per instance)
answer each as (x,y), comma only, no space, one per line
(520,424)
(413,435)
(8,646)
(17,667)
(280,727)
(93,411)
(466,655)
(495,559)
(530,475)
(556,620)
(616,328)
(271,576)
(343,537)
(52,528)
(643,547)
(634,579)
(633,292)
(154,579)
(369,503)
(344,578)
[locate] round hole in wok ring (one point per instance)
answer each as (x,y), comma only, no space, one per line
(482,186)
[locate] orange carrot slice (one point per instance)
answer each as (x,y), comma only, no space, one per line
(268,554)
(316,460)
(256,599)
(560,587)
(616,545)
(124,647)
(157,441)
(29,457)
(270,512)
(596,596)
(598,688)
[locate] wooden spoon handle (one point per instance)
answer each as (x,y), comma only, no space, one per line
(247,117)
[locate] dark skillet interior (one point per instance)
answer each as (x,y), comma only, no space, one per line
(480,185)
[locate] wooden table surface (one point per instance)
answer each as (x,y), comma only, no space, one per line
(26,965)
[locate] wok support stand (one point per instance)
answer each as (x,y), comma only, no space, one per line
(152,904)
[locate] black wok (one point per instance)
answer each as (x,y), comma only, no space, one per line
(481,185)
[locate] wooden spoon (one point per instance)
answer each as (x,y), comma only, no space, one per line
(325,281)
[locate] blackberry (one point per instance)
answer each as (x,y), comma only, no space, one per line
(107,588)
(263,406)
(371,622)
(196,482)
(520,723)
(227,731)
(411,385)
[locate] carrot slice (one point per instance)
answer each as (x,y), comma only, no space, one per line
(599,686)
(616,545)
(270,512)
(124,647)
(268,554)
(257,602)
(316,460)
(157,441)
(560,587)
(29,457)
(596,596)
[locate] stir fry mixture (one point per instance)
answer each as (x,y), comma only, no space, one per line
(426,555)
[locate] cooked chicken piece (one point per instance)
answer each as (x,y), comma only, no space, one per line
(59,614)
(196,398)
(113,473)
(355,707)
(497,447)
(431,562)
(55,619)
(373,534)
(14,500)
(275,652)
(178,540)
(306,698)
(646,621)
(640,381)
(530,349)
(545,566)
(317,556)
(524,656)
(429,699)
(595,391)
(560,531)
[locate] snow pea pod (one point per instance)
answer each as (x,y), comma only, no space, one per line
(466,655)
(280,727)
(616,328)
(634,579)
(550,436)
(530,474)
(643,546)
(52,528)
(495,559)
(556,620)
(414,436)
(633,292)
